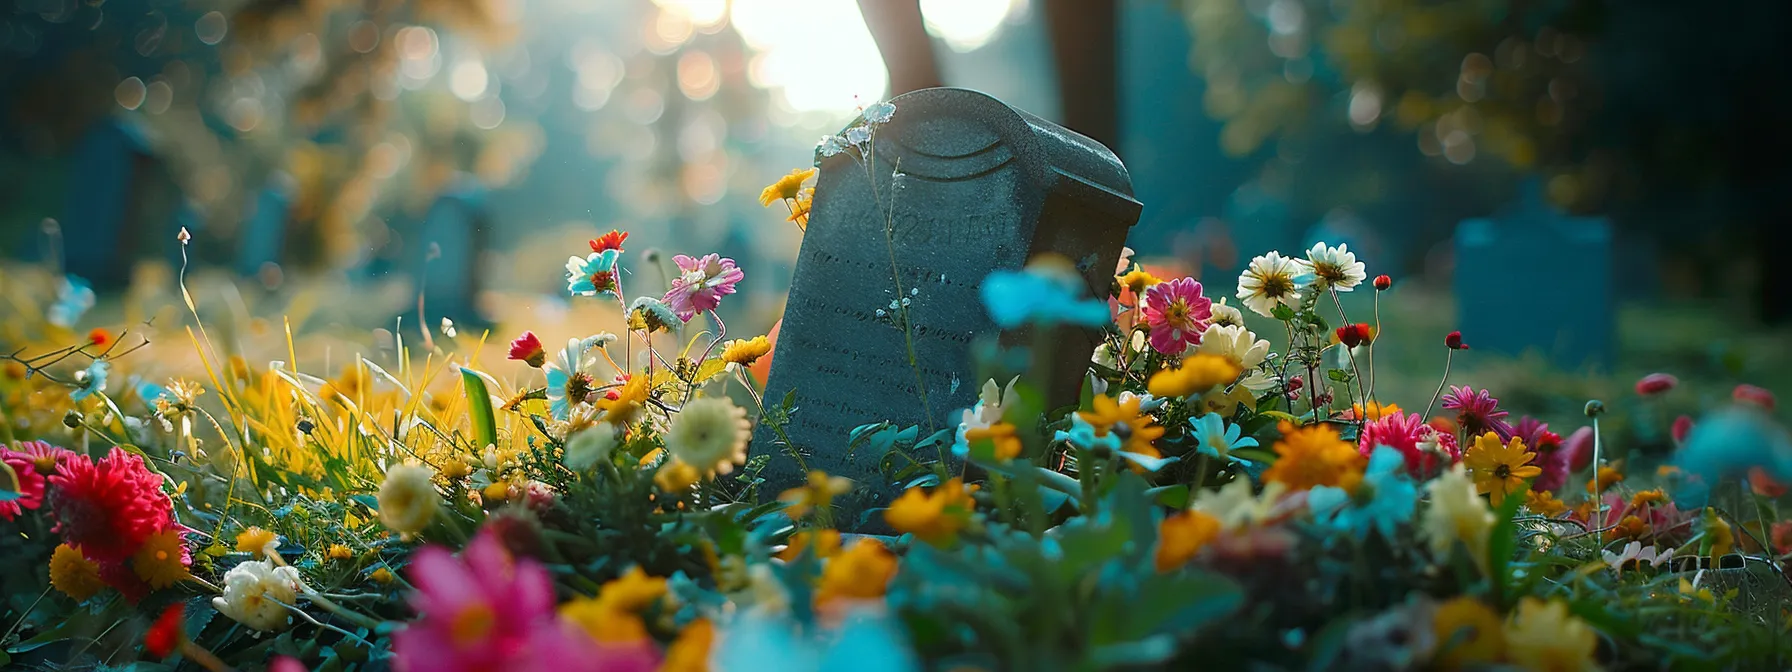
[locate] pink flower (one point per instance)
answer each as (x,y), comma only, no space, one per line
(1477,412)
(1551,457)
(30,485)
(286,664)
(527,348)
(1177,314)
(701,284)
(486,610)
(1682,426)
(1427,451)
(1579,448)
(1753,395)
(1656,383)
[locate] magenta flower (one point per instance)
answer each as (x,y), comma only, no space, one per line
(1579,449)
(1477,413)
(1656,383)
(1427,451)
(487,611)
(1551,456)
(701,284)
(1177,314)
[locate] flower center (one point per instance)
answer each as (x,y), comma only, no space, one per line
(471,624)
(1277,285)
(578,386)
(1329,272)
(604,281)
(1502,471)
(1177,313)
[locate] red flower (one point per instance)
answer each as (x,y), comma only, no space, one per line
(1454,341)
(164,637)
(1782,536)
(527,348)
(1682,426)
(1764,485)
(1383,282)
(609,241)
(108,507)
(99,336)
(1750,394)
(30,484)
(1352,335)
(1656,383)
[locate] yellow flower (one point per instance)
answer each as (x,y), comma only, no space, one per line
(690,652)
(1693,592)
(1218,400)
(633,591)
(1457,513)
(626,407)
(745,351)
(1181,536)
(1722,537)
(1199,373)
(1138,281)
(1468,633)
(1374,410)
(676,476)
(934,517)
(1631,527)
(826,542)
(604,623)
(408,499)
(1314,455)
(710,434)
(1647,497)
(800,206)
(786,186)
(257,541)
(819,493)
(340,552)
(73,574)
(1542,503)
(1124,419)
(381,575)
(1237,505)
(862,572)
(1007,445)
(158,560)
(1606,478)
(1500,470)
(1544,637)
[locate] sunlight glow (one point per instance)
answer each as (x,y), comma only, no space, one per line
(965,25)
(817,52)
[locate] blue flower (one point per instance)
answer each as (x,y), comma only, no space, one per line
(72,301)
(1384,499)
(1082,435)
(567,385)
(92,380)
(1216,439)
(147,391)
(1729,442)
(1040,296)
(594,275)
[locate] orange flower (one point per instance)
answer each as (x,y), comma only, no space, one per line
(934,517)
(863,572)
(1124,420)
(1606,478)
(1001,435)
(1314,455)
(1181,536)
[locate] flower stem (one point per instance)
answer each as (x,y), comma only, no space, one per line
(776,425)
(1451,356)
(1598,495)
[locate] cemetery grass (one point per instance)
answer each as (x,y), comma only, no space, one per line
(238,494)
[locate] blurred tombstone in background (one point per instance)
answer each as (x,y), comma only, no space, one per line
(1532,278)
(447,250)
(1343,226)
(265,225)
(121,203)
(1258,220)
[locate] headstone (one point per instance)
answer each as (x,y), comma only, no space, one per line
(120,204)
(454,233)
(1534,279)
(983,186)
(264,226)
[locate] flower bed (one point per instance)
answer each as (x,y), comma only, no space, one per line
(1212,501)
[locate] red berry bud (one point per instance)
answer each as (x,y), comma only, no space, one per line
(1383,282)
(1454,341)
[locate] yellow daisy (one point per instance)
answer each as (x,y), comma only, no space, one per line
(1123,419)
(159,560)
(862,572)
(1500,469)
(786,187)
(257,541)
(1314,455)
(1199,373)
(73,574)
(746,351)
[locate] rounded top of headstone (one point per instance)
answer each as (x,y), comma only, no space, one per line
(924,123)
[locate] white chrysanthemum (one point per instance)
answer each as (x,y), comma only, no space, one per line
(1456,513)
(588,448)
(710,434)
(254,592)
(408,498)
(1236,506)
(1243,348)
(1273,279)
(1334,267)
(1226,315)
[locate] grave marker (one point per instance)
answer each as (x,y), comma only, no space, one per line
(454,232)
(264,227)
(983,186)
(120,205)
(1536,279)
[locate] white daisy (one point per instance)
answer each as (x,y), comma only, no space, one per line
(1334,267)
(1273,279)
(1226,315)
(1243,348)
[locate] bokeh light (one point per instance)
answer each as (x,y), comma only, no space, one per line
(816,53)
(965,25)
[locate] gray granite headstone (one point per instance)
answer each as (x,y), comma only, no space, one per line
(264,229)
(1534,279)
(120,205)
(983,186)
(456,228)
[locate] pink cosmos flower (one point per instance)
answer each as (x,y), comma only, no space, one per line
(1551,457)
(486,610)
(30,484)
(1477,412)
(701,284)
(1753,395)
(1177,314)
(1427,451)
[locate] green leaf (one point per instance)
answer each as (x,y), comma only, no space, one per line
(1282,313)
(1502,543)
(1173,496)
(479,409)
(1338,375)
(1254,454)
